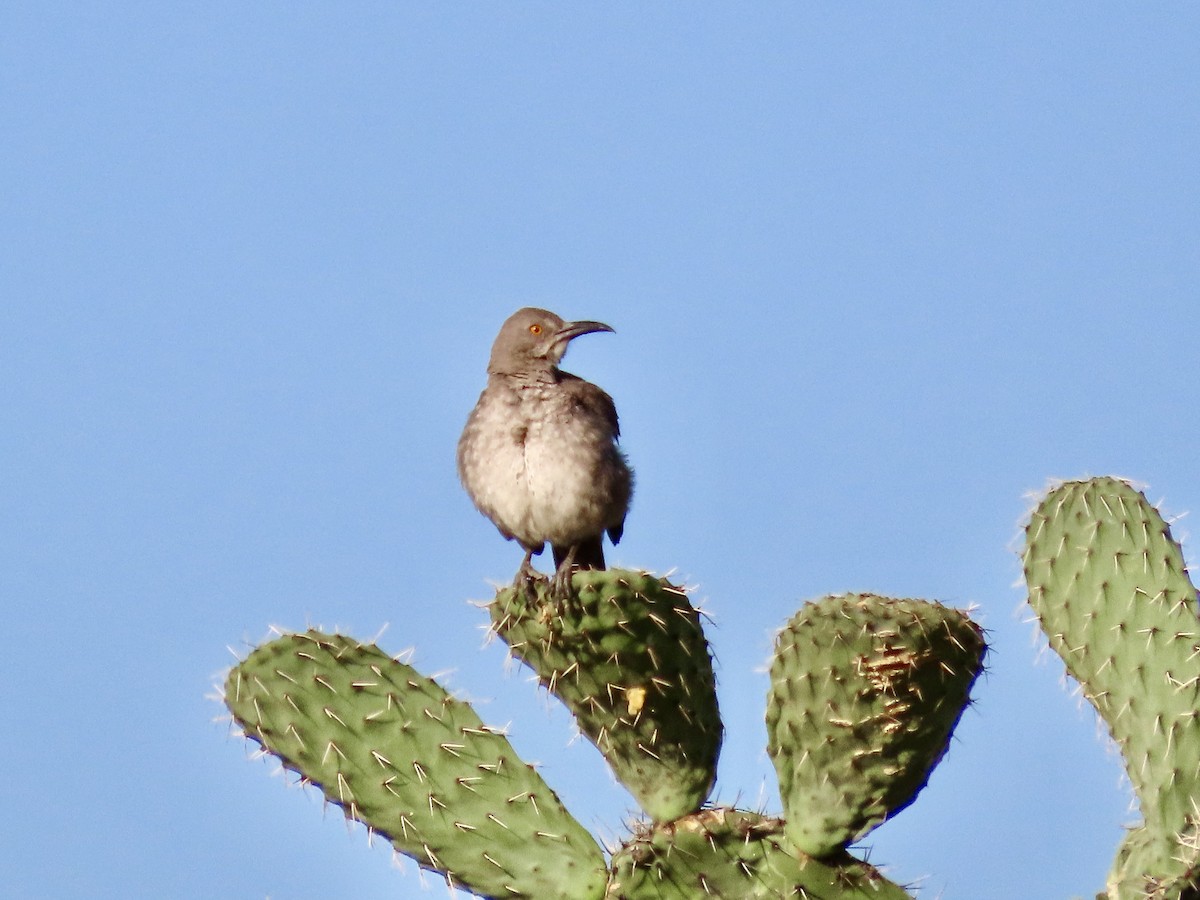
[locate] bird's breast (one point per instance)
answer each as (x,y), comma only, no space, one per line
(538,468)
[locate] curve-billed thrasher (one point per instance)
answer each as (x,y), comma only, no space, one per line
(539,453)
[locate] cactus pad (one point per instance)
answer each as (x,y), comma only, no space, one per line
(395,751)
(1109,585)
(1151,865)
(727,853)
(628,657)
(865,692)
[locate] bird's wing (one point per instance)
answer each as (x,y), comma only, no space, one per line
(593,400)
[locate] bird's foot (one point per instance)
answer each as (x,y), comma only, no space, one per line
(523,583)
(560,586)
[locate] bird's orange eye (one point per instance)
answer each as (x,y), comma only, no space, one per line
(535,329)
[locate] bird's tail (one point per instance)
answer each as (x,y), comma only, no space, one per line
(589,554)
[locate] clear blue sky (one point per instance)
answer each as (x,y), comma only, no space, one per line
(876,274)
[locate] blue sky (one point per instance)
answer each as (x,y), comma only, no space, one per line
(876,274)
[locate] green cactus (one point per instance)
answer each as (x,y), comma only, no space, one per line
(628,654)
(739,856)
(865,692)
(628,658)
(395,751)
(1109,585)
(1174,860)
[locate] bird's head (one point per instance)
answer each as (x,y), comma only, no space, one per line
(534,340)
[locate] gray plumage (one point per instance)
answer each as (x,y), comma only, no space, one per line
(539,453)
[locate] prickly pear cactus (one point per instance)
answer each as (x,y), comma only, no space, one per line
(628,657)
(865,691)
(739,856)
(1109,585)
(395,751)
(627,653)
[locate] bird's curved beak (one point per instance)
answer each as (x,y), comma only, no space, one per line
(556,346)
(571,330)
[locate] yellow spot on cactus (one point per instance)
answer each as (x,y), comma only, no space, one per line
(635,698)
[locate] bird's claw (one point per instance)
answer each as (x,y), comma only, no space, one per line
(525,578)
(560,586)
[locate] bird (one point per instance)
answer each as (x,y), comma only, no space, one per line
(539,455)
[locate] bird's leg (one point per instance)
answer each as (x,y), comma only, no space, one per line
(525,575)
(560,587)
